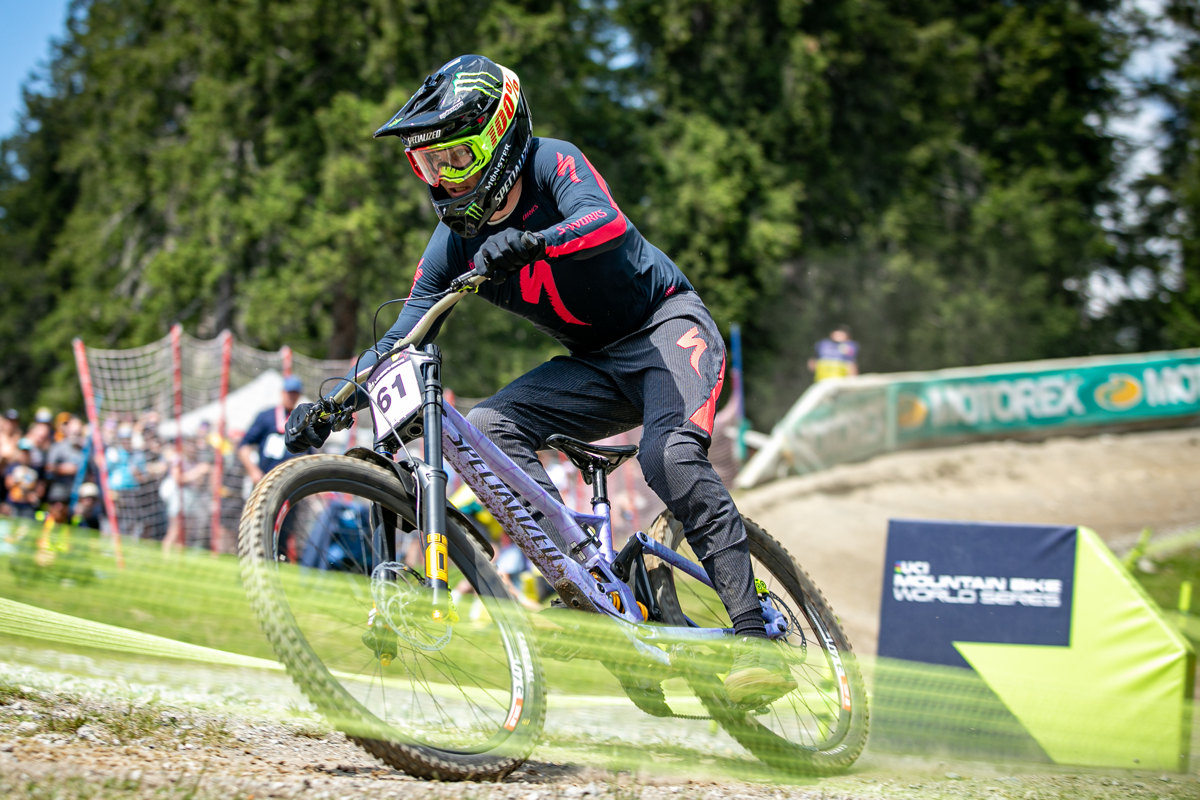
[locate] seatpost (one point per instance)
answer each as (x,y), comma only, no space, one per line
(433,509)
(602,507)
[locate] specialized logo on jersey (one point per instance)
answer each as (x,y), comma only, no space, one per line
(417,277)
(567,165)
(538,276)
(692,339)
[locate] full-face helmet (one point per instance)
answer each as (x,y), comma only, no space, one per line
(468,118)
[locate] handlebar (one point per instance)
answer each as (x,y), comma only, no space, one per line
(467,282)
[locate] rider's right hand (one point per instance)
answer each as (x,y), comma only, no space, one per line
(507,251)
(305,429)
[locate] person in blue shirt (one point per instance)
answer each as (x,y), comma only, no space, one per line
(263,446)
(535,216)
(835,356)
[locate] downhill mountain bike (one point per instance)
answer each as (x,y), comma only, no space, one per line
(377,644)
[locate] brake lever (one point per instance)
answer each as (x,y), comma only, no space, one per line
(467,282)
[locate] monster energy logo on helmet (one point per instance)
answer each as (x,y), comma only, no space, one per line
(483,82)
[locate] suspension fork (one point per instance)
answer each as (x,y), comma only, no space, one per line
(431,476)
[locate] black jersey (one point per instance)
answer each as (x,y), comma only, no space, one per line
(600,279)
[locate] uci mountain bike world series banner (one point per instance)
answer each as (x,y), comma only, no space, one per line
(1025,642)
(849,419)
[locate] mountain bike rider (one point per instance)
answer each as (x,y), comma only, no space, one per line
(536,217)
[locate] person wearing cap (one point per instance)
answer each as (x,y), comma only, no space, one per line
(263,447)
(58,503)
(22,483)
(89,513)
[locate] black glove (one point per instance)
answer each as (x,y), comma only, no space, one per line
(507,251)
(304,429)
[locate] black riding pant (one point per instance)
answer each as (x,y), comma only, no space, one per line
(666,377)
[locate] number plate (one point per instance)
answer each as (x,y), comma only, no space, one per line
(395,390)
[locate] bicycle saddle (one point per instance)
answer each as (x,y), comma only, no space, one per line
(587,456)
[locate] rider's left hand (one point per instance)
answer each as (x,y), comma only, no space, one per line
(508,251)
(300,434)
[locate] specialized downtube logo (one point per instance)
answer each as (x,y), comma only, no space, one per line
(499,499)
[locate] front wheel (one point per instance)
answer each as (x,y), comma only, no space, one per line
(820,727)
(440,691)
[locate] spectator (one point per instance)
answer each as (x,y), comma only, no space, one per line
(22,483)
(183,492)
(65,457)
(58,505)
(835,356)
(88,510)
(10,434)
(262,447)
(126,474)
(40,434)
(147,441)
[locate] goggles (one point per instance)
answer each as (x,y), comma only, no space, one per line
(452,161)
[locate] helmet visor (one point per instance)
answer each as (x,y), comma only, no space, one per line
(452,161)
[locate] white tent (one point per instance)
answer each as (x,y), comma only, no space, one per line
(242,405)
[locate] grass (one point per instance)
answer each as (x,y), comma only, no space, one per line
(194,597)
(197,597)
(1165,575)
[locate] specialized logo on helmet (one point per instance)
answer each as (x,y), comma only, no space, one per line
(418,138)
(1120,392)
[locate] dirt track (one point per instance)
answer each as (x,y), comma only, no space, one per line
(835,522)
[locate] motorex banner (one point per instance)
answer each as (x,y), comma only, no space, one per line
(848,419)
(1025,641)
(1075,394)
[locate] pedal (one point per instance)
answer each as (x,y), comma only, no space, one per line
(649,699)
(645,692)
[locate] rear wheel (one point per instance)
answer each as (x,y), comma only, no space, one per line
(821,726)
(455,695)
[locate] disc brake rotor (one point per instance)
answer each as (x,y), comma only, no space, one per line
(403,605)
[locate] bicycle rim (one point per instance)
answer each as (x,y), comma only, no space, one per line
(821,726)
(456,697)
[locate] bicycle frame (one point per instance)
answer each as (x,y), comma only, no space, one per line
(585,581)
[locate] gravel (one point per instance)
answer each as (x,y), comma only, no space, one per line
(204,737)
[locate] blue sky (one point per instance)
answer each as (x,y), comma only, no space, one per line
(26,28)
